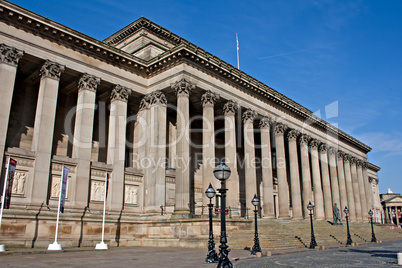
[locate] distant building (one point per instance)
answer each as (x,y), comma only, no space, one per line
(156,112)
(391,205)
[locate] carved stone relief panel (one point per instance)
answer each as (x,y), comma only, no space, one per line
(55,191)
(97,190)
(20,178)
(131,194)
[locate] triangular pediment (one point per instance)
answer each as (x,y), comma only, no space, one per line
(143,39)
(393,200)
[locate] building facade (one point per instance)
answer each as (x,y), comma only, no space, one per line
(391,205)
(157,113)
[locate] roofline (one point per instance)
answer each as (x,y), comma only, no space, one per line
(373,167)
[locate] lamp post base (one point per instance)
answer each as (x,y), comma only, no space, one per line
(101,245)
(54,246)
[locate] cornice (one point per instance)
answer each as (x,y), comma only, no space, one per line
(373,167)
(184,50)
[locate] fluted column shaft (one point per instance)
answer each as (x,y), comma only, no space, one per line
(249,157)
(42,140)
(266,162)
(334,177)
(9,58)
(356,190)
(349,189)
(283,188)
(82,143)
(297,211)
(317,188)
(117,144)
(368,187)
(232,184)
(326,186)
(342,183)
(141,134)
(183,90)
(208,100)
(306,174)
(362,191)
(157,152)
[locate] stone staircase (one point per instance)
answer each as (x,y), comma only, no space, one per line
(285,234)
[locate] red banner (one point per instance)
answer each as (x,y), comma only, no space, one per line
(218,211)
(10,179)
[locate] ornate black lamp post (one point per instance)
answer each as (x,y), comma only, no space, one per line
(349,241)
(222,173)
(256,248)
(373,238)
(212,256)
(313,243)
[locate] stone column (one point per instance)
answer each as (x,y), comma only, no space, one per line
(283,187)
(356,191)
(42,140)
(315,172)
(349,188)
(9,58)
(157,152)
(266,170)
(183,90)
(249,157)
(306,174)
(368,187)
(326,186)
(208,100)
(334,177)
(294,175)
(362,192)
(141,135)
(117,145)
(232,184)
(82,143)
(342,183)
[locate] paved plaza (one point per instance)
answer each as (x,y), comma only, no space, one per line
(368,255)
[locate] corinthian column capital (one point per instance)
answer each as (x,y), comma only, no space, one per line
(314,143)
(323,148)
(304,139)
(332,151)
(183,87)
(120,93)
(51,69)
(249,115)
(10,55)
(341,154)
(88,82)
(209,98)
(280,128)
(230,107)
(157,98)
(265,122)
(293,134)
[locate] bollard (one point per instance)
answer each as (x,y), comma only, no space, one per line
(399,258)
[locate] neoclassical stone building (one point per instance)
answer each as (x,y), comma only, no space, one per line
(157,113)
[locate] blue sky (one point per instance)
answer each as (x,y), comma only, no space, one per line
(344,54)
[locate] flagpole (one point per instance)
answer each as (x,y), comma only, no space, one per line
(2,248)
(102,244)
(55,245)
(237,45)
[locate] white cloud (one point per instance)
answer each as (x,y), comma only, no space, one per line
(390,143)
